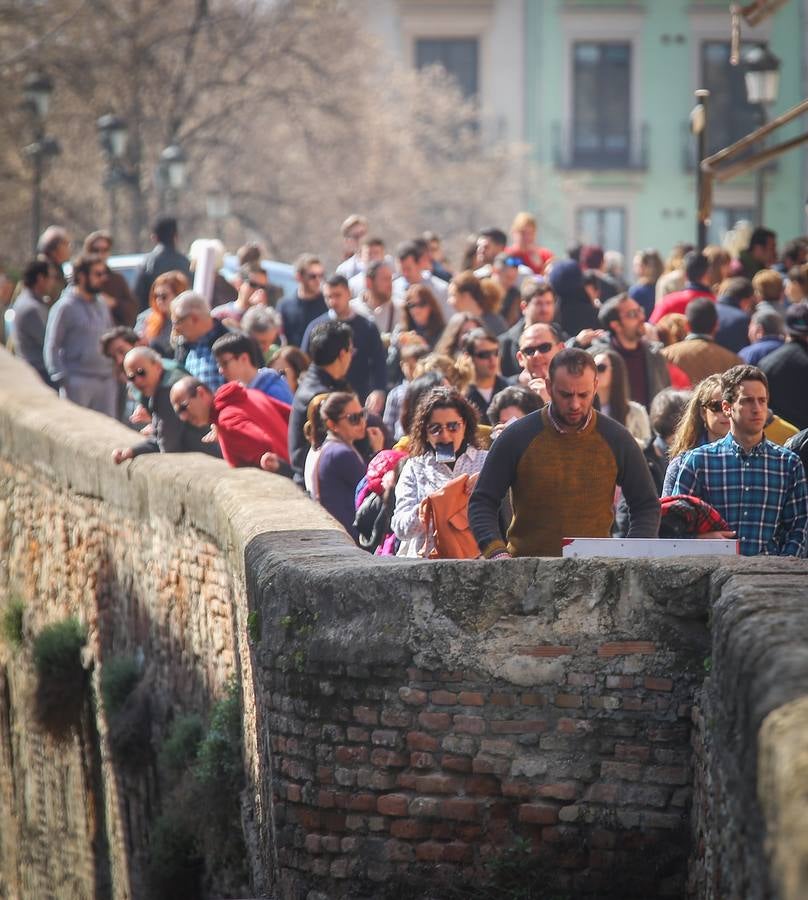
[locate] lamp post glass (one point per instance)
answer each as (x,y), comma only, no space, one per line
(37,90)
(762,80)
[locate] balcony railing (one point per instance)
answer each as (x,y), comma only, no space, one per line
(629,153)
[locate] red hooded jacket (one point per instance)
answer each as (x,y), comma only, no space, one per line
(250,424)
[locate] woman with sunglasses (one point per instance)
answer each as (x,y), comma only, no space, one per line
(154,323)
(421,315)
(702,422)
(339,467)
(443,444)
(613,394)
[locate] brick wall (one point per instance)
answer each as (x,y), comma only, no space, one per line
(404,722)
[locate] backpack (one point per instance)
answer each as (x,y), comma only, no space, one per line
(446,518)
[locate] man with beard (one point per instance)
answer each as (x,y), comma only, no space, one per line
(561,465)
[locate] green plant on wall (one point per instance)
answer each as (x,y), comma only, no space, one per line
(181,747)
(11,622)
(175,861)
(119,675)
(61,679)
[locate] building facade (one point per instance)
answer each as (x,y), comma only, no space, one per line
(601,93)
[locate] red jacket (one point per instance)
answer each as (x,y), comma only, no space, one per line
(676,302)
(250,424)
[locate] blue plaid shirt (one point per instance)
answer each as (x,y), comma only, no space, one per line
(200,362)
(762,494)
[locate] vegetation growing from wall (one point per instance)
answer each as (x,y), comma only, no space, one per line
(61,678)
(11,622)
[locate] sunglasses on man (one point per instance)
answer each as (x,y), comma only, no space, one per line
(533,349)
(138,373)
(486,354)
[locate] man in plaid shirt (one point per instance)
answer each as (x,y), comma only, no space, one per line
(197,331)
(757,486)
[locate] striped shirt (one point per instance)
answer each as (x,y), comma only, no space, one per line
(761,493)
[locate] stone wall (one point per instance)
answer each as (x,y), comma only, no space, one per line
(404,722)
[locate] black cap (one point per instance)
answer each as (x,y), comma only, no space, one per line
(797,319)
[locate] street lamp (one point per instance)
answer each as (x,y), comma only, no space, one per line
(698,125)
(217,204)
(172,172)
(37,90)
(113,137)
(762,79)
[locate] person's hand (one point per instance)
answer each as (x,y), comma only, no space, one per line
(585,337)
(503,554)
(650,331)
(211,437)
(411,338)
(119,454)
(270,462)
(716,536)
(375,402)
(375,438)
(422,512)
(141,416)
(147,430)
(471,482)
(539,386)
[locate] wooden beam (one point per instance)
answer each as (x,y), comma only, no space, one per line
(759,159)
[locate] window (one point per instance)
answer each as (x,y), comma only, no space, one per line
(729,115)
(724,219)
(601,113)
(602,225)
(458,56)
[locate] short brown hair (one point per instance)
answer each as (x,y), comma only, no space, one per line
(732,379)
(575,361)
(769,284)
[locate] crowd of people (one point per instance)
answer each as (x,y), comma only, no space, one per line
(565,395)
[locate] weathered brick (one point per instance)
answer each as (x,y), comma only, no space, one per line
(357,735)
(658,684)
(520,789)
(663,820)
(421,760)
(625,771)
(483,786)
(393,805)
(537,814)
(529,766)
(325,799)
(435,721)
(574,726)
(469,724)
(619,682)
(425,808)
(568,701)
(383,737)
(460,810)
(409,829)
(635,704)
(362,802)
(667,774)
(345,777)
(417,740)
(418,675)
(483,764)
(455,763)
(625,648)
(436,784)
(498,747)
(399,851)
(442,831)
(330,843)
(459,744)
(388,759)
(312,843)
(581,679)
(602,839)
(532,700)
(406,781)
(518,726)
(325,774)
(561,791)
(604,701)
(632,751)
(340,868)
(470,698)
(349,845)
(443,698)
(396,718)
(453,676)
(643,795)
(293,793)
(499,699)
(365,715)
(601,793)
(413,696)
(349,755)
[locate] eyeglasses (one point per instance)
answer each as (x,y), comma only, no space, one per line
(417,304)
(257,286)
(138,373)
(632,314)
(99,273)
(486,354)
(602,367)
(355,418)
(105,249)
(452,427)
(715,406)
(546,347)
(313,276)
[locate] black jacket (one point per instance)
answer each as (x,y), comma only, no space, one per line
(158,261)
(787,371)
(480,403)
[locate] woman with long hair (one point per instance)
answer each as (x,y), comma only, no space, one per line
(443,444)
(291,362)
(154,323)
(648,267)
(339,466)
(613,393)
(421,315)
(457,328)
(466,294)
(702,422)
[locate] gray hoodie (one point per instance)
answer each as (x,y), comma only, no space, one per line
(73,338)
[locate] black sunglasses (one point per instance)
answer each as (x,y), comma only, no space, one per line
(451,427)
(418,304)
(355,418)
(602,367)
(715,406)
(138,373)
(546,347)
(184,404)
(257,286)
(486,354)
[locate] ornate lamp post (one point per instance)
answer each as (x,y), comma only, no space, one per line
(762,78)
(698,125)
(37,90)
(113,137)
(172,172)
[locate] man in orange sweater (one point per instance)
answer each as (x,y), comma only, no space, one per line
(562,465)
